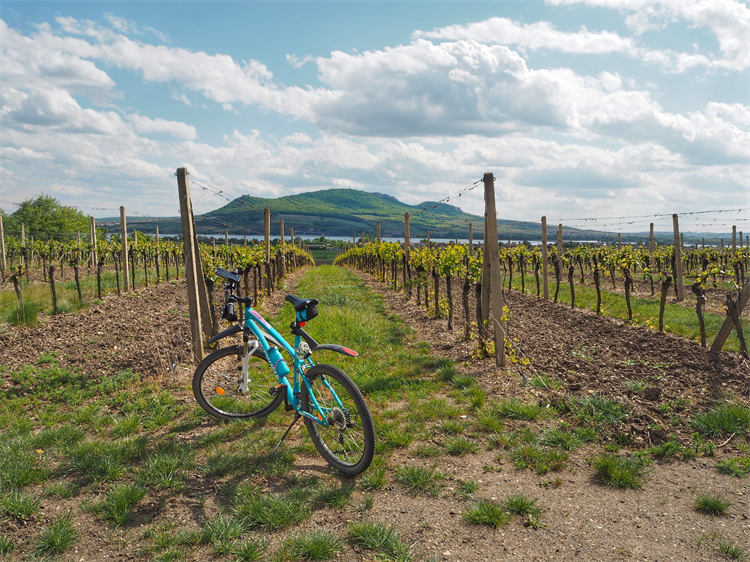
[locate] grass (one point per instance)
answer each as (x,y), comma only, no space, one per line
(460,446)
(711,504)
(311,545)
(120,502)
(60,535)
(418,479)
(739,468)
(621,472)
(381,538)
(725,419)
(19,504)
(595,409)
(730,550)
(486,512)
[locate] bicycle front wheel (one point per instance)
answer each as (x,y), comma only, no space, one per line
(348,443)
(217,385)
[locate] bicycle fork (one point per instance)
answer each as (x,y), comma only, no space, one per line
(249,349)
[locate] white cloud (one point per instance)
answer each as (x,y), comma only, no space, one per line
(539,35)
(144,124)
(728,20)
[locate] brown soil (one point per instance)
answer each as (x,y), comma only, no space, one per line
(583,520)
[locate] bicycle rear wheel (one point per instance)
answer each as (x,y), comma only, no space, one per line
(216,385)
(348,444)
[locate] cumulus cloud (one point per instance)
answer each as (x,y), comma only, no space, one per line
(144,124)
(539,35)
(728,20)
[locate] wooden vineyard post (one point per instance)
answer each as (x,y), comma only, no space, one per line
(651,244)
(200,316)
(92,238)
(734,238)
(23,235)
(124,258)
(545,268)
(407,255)
(3,262)
(157,257)
(490,217)
(678,260)
(559,241)
(267,234)
(471,239)
(729,323)
(378,228)
(282,265)
(484,298)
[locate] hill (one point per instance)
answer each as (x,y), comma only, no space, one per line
(348,212)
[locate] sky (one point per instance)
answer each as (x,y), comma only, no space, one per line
(616,110)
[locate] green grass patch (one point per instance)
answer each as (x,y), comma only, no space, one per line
(486,512)
(711,504)
(739,468)
(311,545)
(621,472)
(380,538)
(59,537)
(120,502)
(723,420)
(595,409)
(420,480)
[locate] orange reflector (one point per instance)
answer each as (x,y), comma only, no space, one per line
(220,390)
(320,417)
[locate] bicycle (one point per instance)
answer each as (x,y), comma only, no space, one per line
(251,380)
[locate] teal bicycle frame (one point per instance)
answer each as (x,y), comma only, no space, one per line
(264,332)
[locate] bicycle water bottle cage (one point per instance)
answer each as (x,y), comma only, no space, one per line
(306,309)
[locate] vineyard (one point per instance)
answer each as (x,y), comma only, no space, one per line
(83,272)
(608,391)
(631,282)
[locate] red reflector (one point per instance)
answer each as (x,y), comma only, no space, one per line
(301,323)
(351,352)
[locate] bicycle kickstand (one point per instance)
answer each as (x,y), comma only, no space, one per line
(288,429)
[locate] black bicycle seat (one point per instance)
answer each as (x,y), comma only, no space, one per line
(300,304)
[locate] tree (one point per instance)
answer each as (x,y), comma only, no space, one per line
(44,217)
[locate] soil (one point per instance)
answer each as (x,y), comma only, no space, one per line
(583,520)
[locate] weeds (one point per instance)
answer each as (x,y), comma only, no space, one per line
(487,512)
(60,536)
(621,472)
(418,479)
(384,539)
(739,468)
(711,504)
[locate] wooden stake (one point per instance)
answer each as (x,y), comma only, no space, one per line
(651,244)
(124,237)
(192,272)
(23,236)
(734,238)
(94,252)
(545,270)
(493,252)
(678,259)
(378,232)
(559,241)
(471,239)
(3,262)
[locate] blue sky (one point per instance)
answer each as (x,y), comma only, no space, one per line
(581,108)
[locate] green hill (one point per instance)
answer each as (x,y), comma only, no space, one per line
(348,212)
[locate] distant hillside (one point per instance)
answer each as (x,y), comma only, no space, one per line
(348,212)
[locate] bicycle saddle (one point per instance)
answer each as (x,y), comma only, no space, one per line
(300,304)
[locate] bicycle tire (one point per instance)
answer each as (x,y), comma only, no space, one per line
(348,445)
(216,385)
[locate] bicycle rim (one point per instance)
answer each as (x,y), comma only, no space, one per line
(348,443)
